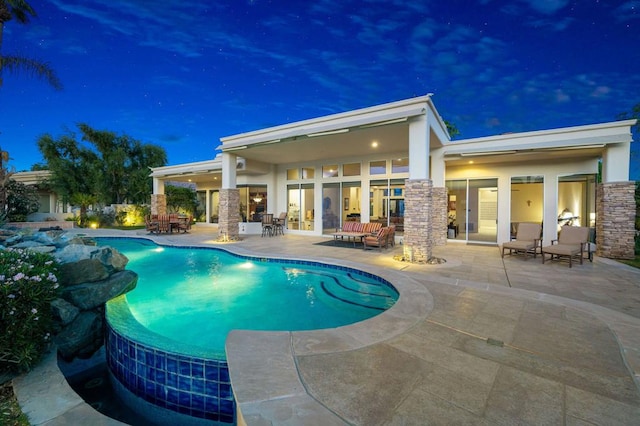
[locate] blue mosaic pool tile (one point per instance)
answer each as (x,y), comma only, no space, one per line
(184,367)
(197,386)
(211,372)
(211,404)
(184,383)
(224,375)
(161,361)
(172,363)
(188,385)
(184,398)
(225,391)
(197,370)
(197,402)
(211,388)
(172,380)
(172,396)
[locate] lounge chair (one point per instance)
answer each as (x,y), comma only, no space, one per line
(571,242)
(379,239)
(527,240)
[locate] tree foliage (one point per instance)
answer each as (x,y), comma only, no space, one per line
(21,11)
(108,167)
(452,129)
(181,199)
(22,200)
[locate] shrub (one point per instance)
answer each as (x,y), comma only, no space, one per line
(28,285)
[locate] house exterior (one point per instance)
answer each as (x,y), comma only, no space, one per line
(51,206)
(395,164)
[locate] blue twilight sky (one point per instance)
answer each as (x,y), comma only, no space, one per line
(182,74)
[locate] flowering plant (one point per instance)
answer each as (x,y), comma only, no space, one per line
(28,285)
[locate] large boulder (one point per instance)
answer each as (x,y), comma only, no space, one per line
(63,311)
(82,336)
(94,294)
(80,263)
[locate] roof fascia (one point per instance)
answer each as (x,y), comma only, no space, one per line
(187,168)
(379,114)
(604,133)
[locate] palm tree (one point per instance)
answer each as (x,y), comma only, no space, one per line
(20,10)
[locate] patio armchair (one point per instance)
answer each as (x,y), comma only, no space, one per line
(571,243)
(379,239)
(527,239)
(184,224)
(391,236)
(164,224)
(151,225)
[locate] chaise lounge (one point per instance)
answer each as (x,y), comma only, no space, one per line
(527,239)
(571,243)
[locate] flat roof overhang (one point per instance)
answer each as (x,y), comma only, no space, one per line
(349,134)
(577,142)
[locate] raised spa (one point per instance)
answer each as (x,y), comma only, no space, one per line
(165,339)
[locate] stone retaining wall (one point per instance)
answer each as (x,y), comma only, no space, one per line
(62,224)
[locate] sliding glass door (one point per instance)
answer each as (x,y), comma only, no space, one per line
(473,210)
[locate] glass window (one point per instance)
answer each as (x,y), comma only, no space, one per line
(300,211)
(352,169)
(308,173)
(332,205)
(293,174)
(400,165)
(576,200)
(527,200)
(253,202)
(378,167)
(330,171)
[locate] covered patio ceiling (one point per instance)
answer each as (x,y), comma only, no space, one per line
(338,144)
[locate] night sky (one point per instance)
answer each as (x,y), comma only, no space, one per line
(183,74)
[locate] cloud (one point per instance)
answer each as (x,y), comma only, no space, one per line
(547,7)
(554,24)
(627,11)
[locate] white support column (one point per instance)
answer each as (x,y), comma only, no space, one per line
(550,218)
(615,163)
(438,167)
(207,208)
(418,148)
(158,186)
(229,164)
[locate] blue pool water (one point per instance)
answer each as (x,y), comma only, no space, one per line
(198,295)
(165,339)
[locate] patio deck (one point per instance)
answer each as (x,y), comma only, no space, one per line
(500,341)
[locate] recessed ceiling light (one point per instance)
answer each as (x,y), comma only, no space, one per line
(470,161)
(374,144)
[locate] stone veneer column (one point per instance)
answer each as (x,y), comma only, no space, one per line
(615,220)
(439,218)
(229,215)
(418,238)
(158,204)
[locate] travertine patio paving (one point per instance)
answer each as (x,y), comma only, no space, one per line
(482,340)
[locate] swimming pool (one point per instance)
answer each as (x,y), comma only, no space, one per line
(165,339)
